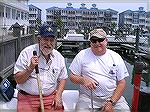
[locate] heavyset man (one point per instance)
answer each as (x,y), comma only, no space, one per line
(101,74)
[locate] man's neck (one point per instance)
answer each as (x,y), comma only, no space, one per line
(47,57)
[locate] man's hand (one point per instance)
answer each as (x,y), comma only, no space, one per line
(108,107)
(89,83)
(58,104)
(34,62)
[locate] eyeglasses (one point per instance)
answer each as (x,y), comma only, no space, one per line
(93,40)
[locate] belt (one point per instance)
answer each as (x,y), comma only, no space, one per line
(25,93)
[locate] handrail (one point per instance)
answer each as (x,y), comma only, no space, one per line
(4,72)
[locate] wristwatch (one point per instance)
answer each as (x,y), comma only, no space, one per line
(111,101)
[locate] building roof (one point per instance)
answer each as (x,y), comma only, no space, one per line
(69,8)
(32,6)
(51,8)
(127,11)
(111,10)
(94,8)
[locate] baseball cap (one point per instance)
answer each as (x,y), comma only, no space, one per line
(99,33)
(46,31)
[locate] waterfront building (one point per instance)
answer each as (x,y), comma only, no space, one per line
(12,12)
(132,19)
(34,15)
(147,21)
(81,18)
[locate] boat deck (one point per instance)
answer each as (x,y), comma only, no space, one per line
(69,98)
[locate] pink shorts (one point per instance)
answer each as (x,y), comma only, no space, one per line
(31,103)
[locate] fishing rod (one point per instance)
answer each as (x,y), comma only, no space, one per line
(92,100)
(39,84)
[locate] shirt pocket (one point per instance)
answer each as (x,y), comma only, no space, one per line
(53,75)
(113,72)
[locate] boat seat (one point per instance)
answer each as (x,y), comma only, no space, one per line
(69,98)
(11,105)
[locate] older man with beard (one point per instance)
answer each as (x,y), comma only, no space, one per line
(101,74)
(52,73)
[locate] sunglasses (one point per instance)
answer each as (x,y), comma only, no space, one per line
(97,39)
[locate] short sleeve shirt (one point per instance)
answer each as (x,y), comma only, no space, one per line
(50,73)
(106,70)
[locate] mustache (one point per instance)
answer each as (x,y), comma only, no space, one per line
(47,47)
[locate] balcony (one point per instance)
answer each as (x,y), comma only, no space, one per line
(127,16)
(33,12)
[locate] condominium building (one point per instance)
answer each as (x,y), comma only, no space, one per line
(82,17)
(34,15)
(147,21)
(12,12)
(133,19)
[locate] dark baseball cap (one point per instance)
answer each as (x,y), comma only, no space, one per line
(47,31)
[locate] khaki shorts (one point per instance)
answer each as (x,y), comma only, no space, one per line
(84,104)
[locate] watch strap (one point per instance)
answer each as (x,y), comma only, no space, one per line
(111,101)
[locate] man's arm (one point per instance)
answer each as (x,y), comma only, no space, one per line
(22,76)
(61,87)
(58,97)
(119,90)
(83,80)
(116,96)
(76,79)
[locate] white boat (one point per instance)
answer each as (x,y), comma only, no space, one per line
(69,98)
(72,35)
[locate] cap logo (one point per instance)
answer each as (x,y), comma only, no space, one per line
(49,29)
(46,31)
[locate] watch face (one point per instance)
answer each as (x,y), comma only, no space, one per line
(113,103)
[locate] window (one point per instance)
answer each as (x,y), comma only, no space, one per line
(1,11)
(13,13)
(18,15)
(22,14)
(7,12)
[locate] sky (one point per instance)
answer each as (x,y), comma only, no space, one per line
(118,5)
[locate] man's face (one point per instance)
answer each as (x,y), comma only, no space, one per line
(98,45)
(46,44)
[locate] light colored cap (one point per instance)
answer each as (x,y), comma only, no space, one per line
(99,33)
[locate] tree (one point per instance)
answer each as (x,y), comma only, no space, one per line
(38,23)
(113,27)
(60,25)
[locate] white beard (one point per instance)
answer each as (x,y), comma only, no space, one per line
(46,51)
